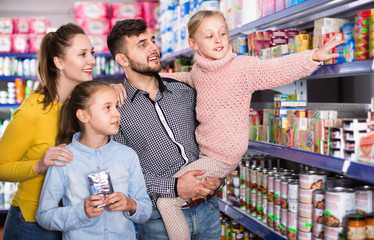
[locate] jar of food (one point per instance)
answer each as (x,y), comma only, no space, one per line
(356,227)
(370,226)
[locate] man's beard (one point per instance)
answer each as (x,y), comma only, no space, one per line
(144,68)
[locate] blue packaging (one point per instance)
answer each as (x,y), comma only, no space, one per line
(346,52)
(348,31)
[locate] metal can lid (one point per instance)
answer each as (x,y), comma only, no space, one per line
(319,191)
(339,189)
(365,188)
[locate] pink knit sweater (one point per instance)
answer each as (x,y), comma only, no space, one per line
(224,89)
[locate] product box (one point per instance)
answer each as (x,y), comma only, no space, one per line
(150,13)
(39,25)
(126,10)
(325,38)
(5,43)
(99,43)
(346,52)
(91,10)
(348,31)
(6,25)
(34,42)
(95,26)
(302,42)
(20,43)
(21,25)
(289,104)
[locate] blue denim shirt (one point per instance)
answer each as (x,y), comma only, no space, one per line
(70,183)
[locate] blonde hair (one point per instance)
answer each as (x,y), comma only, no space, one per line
(196,20)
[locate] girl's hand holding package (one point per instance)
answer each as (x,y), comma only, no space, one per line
(118,201)
(324,53)
(90,206)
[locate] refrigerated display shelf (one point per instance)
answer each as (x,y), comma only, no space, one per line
(349,168)
(7,78)
(259,228)
(16,105)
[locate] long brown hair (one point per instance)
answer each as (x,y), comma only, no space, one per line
(80,98)
(53,44)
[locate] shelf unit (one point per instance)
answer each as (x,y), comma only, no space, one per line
(259,228)
(302,16)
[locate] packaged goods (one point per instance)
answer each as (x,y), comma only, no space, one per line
(305,210)
(302,42)
(364,199)
(346,52)
(319,198)
(5,43)
(92,10)
(35,41)
(356,227)
(6,25)
(312,180)
(283,222)
(292,225)
(332,233)
(95,26)
(151,12)
(21,25)
(39,25)
(348,31)
(252,11)
(100,184)
(126,10)
(339,203)
(99,43)
(304,224)
(20,43)
(304,235)
(370,226)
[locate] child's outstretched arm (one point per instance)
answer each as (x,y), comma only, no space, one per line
(266,74)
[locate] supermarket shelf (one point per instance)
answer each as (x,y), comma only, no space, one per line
(117,76)
(248,221)
(343,70)
(296,155)
(170,57)
(301,15)
(3,211)
(16,76)
(10,105)
(352,169)
(19,55)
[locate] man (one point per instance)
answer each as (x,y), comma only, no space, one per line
(158,122)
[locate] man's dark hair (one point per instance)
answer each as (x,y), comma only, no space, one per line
(125,28)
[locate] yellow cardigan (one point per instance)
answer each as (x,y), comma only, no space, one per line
(29,134)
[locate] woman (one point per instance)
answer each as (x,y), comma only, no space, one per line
(27,148)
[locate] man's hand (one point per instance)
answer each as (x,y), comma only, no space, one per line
(188,184)
(90,206)
(120,202)
(211,184)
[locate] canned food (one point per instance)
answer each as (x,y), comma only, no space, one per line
(364,199)
(259,206)
(253,203)
(361,56)
(292,225)
(259,180)
(319,198)
(277,189)
(242,199)
(270,214)
(304,224)
(253,178)
(339,203)
(283,222)
(248,200)
(293,189)
(318,230)
(277,215)
(305,210)
(264,209)
(271,179)
(306,195)
(284,194)
(293,205)
(312,180)
(265,176)
(318,215)
(332,233)
(304,235)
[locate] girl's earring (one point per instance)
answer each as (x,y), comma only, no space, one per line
(61,72)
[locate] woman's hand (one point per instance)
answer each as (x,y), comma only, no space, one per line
(324,53)
(121,92)
(53,153)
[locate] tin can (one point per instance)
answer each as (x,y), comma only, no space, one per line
(304,224)
(259,180)
(306,195)
(318,230)
(304,235)
(259,206)
(271,179)
(253,203)
(270,214)
(277,215)
(284,194)
(319,198)
(247,174)
(318,215)
(277,189)
(293,205)
(264,209)
(292,225)
(253,178)
(248,200)
(242,199)
(265,177)
(332,233)
(364,199)
(312,180)
(283,222)
(293,189)
(305,210)
(339,203)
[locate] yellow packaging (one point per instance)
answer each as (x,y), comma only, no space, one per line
(302,42)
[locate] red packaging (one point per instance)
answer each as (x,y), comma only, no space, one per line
(95,26)
(34,41)
(5,43)
(290,33)
(6,25)
(20,43)
(39,25)
(91,10)
(325,38)
(150,12)
(21,25)
(278,40)
(99,43)
(277,33)
(126,10)
(365,14)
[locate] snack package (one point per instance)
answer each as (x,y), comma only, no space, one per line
(100,184)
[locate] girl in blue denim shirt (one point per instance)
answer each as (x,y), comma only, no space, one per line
(87,120)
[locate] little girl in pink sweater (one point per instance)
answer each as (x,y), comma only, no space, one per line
(224,83)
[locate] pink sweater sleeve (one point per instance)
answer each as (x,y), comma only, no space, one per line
(277,72)
(179,76)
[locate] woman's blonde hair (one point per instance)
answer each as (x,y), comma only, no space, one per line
(195,21)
